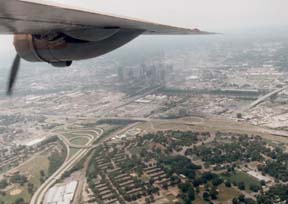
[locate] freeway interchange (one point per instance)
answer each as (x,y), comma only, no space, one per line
(68,163)
(94,135)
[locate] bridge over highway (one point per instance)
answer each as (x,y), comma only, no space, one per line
(39,195)
(67,142)
(263,98)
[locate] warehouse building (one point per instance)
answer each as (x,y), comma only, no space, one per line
(61,194)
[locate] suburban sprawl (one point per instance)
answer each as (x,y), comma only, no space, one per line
(199,122)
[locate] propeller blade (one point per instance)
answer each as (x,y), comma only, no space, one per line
(13,74)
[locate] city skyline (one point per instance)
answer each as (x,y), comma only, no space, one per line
(223,16)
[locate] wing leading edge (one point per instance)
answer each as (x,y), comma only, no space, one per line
(33,16)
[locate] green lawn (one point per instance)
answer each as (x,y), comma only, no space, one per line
(73,151)
(9,199)
(32,170)
(4,169)
(79,141)
(242,177)
(226,194)
(69,135)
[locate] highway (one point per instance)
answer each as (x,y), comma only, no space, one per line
(70,145)
(263,98)
(39,195)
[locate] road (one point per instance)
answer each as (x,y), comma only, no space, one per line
(68,164)
(87,146)
(133,99)
(263,98)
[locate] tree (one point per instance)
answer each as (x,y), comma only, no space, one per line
(187,192)
(250,201)
(147,201)
(20,179)
(228,184)
(3,184)
(152,198)
(174,180)
(134,197)
(181,165)
(165,186)
(128,198)
(241,186)
(197,182)
(255,188)
(41,180)
(184,187)
(42,173)
(191,194)
(217,181)
(214,193)
(262,182)
(19,201)
(241,198)
(206,196)
(208,176)
(235,201)
(3,193)
(30,188)
(278,192)
(239,115)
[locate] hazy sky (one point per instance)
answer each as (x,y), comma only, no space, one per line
(210,15)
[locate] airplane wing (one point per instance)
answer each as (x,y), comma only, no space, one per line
(34,16)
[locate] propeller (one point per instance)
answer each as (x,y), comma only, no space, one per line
(13,74)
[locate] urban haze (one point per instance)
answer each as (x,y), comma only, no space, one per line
(181,119)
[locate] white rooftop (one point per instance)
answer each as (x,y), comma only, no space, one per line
(34,142)
(63,194)
(259,176)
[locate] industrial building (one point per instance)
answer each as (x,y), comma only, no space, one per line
(61,194)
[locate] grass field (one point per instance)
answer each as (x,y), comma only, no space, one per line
(68,135)
(78,133)
(32,170)
(9,199)
(4,169)
(243,177)
(199,200)
(79,141)
(227,194)
(73,151)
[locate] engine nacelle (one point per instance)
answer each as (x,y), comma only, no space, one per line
(60,49)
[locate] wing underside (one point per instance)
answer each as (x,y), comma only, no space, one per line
(23,17)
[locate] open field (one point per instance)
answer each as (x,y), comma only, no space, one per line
(31,170)
(199,200)
(4,169)
(10,199)
(73,151)
(243,177)
(79,141)
(71,135)
(227,194)
(212,125)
